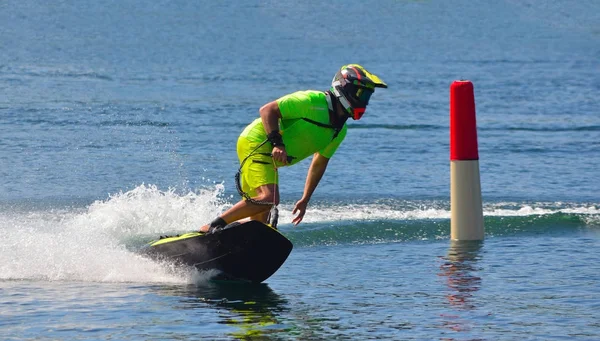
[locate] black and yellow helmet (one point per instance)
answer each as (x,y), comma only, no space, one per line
(353,85)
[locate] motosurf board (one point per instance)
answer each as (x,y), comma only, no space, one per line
(249,251)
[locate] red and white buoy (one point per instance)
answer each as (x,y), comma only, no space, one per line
(465,184)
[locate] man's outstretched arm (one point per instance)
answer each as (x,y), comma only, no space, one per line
(315,173)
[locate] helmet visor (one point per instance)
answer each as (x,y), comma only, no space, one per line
(363,95)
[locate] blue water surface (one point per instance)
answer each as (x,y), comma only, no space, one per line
(118,122)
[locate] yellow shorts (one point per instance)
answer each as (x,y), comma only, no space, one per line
(258,170)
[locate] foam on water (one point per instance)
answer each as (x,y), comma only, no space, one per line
(362,212)
(88,245)
(149,210)
(53,246)
(423,211)
(100,242)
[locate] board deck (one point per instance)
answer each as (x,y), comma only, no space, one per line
(250,251)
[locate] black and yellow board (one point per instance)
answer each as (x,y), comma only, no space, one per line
(250,251)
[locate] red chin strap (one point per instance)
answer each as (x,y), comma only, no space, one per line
(358,113)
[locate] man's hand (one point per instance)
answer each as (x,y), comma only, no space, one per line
(301,209)
(280,155)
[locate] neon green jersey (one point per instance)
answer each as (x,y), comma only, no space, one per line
(301,138)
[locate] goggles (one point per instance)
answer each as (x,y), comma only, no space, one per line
(363,95)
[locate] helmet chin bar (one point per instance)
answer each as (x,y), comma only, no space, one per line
(357,113)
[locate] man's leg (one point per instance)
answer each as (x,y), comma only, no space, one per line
(258,179)
(246,209)
(267,192)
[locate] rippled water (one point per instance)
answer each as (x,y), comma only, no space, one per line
(118,123)
(503,289)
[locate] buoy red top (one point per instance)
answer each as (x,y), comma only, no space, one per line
(463,128)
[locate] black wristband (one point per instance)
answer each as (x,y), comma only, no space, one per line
(275,138)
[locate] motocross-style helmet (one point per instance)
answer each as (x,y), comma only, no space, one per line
(353,85)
